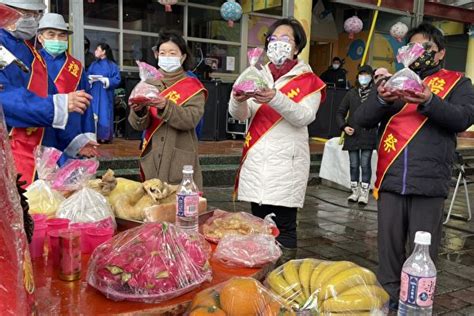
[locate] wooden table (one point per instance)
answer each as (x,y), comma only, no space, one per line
(57,297)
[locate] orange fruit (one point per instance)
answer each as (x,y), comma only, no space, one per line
(206,311)
(242,297)
(206,298)
(276,309)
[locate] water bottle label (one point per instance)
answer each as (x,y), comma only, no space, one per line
(187,205)
(417,291)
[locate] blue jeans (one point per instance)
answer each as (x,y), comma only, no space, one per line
(360,159)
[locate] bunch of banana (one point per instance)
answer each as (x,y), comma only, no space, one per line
(328,288)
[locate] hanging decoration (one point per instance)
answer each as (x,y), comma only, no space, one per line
(398,31)
(168,4)
(231,11)
(353,25)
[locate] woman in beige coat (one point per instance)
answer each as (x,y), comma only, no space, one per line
(170,139)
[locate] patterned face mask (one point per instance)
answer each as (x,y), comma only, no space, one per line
(424,62)
(278,52)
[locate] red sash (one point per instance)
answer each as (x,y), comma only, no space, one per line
(25,140)
(69,76)
(179,93)
(266,117)
(403,126)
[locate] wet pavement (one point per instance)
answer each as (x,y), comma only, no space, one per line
(330,228)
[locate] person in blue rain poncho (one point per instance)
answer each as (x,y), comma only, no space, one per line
(28,102)
(68,75)
(104,76)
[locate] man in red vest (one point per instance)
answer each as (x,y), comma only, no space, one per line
(27,103)
(415,155)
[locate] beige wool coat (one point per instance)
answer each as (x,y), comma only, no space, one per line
(175,143)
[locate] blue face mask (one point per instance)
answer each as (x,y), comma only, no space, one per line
(55,47)
(364,80)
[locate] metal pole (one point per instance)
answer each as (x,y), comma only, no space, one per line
(371,32)
(76,22)
(288,8)
(418,8)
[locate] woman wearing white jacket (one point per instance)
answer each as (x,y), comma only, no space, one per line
(275,164)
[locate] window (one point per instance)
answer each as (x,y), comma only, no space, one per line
(109,38)
(102,13)
(138,47)
(61,7)
(147,16)
(220,58)
(258,29)
(214,3)
(209,24)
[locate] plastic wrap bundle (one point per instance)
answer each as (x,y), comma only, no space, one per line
(42,198)
(240,223)
(328,287)
(406,79)
(237,297)
(16,272)
(252,79)
(247,251)
(8,15)
(86,205)
(150,263)
(143,92)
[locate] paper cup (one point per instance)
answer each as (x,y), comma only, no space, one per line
(37,243)
(97,236)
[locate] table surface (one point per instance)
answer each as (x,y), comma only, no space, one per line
(57,297)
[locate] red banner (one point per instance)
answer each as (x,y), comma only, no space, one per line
(179,93)
(403,126)
(266,117)
(25,140)
(69,76)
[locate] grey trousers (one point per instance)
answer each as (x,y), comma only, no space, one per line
(399,218)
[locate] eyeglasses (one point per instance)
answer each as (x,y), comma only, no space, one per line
(283,38)
(37,15)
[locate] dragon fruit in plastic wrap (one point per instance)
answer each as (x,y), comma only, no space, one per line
(151,263)
(406,79)
(252,79)
(143,92)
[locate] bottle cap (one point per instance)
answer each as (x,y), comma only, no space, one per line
(188,169)
(423,238)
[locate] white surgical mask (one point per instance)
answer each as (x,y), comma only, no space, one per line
(336,66)
(364,80)
(169,64)
(278,52)
(25,28)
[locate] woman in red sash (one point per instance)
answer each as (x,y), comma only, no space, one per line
(170,140)
(275,164)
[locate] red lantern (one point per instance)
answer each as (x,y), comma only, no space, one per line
(168,4)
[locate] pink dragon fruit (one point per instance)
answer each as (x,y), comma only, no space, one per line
(150,263)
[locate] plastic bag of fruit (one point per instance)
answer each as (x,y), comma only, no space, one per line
(144,92)
(406,79)
(328,287)
(247,250)
(252,79)
(150,263)
(236,297)
(224,223)
(42,198)
(17,284)
(85,205)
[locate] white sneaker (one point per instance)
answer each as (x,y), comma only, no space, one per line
(364,193)
(355,192)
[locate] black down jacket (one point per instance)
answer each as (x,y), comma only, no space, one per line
(425,166)
(363,138)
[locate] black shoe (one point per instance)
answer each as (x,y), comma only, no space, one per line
(393,305)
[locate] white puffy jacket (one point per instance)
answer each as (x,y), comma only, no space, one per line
(276,169)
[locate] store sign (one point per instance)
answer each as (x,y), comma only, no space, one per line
(257,5)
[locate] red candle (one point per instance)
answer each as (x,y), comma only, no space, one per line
(70,254)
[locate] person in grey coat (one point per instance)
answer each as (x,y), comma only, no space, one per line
(359,141)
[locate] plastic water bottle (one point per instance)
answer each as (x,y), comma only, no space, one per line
(187,202)
(418,279)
